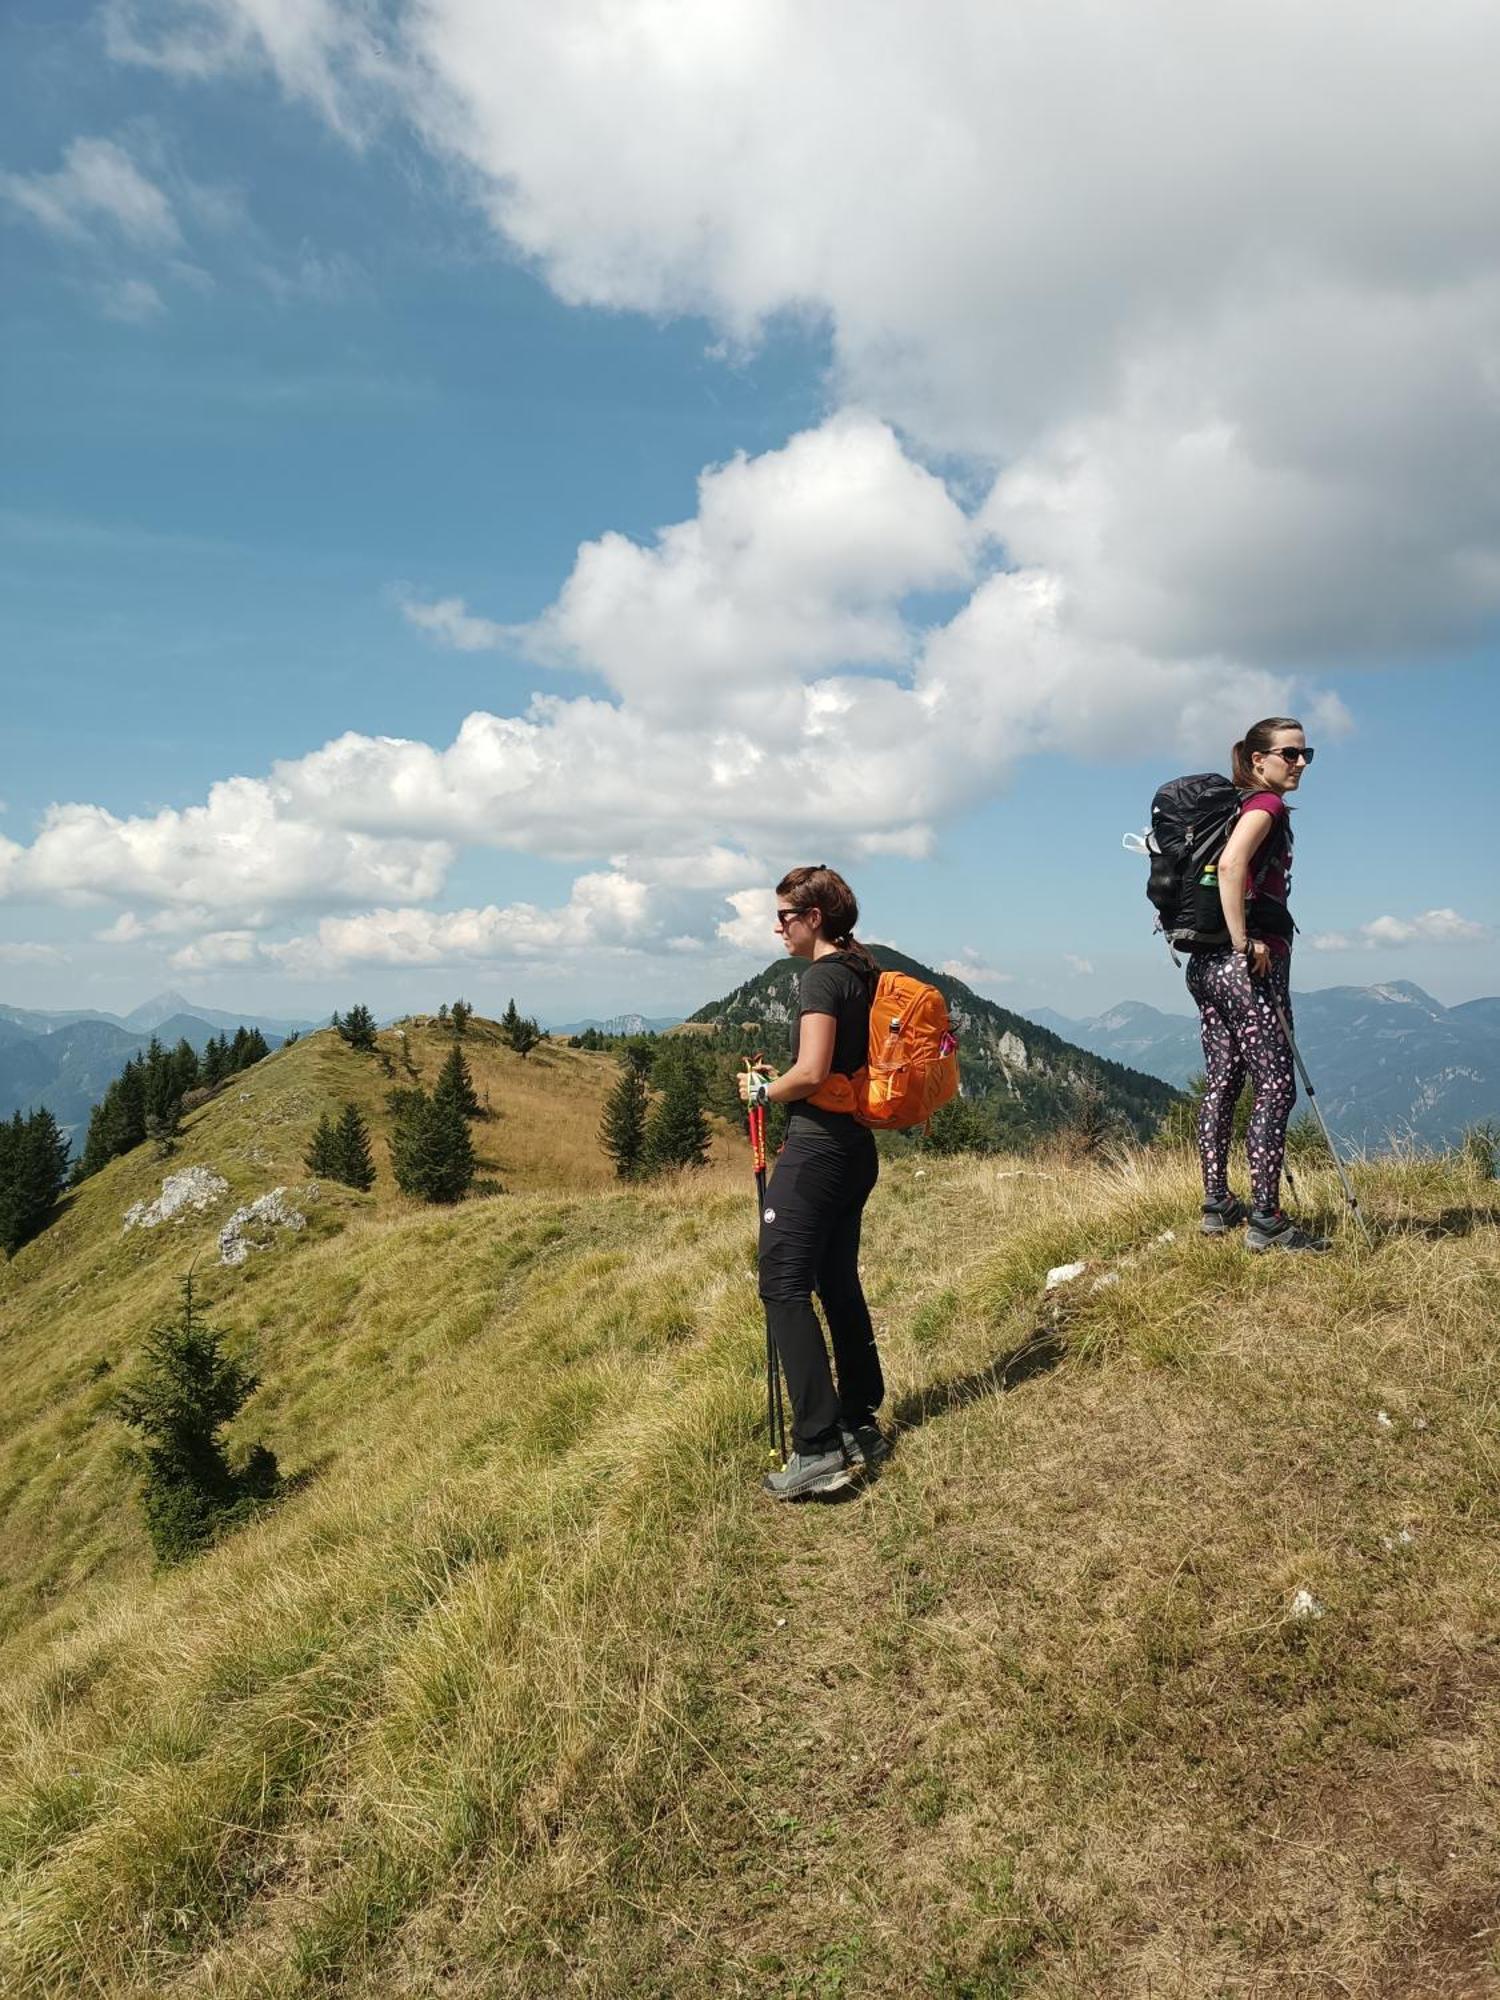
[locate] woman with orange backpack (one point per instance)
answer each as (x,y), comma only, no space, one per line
(824,1175)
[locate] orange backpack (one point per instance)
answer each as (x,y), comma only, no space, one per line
(912,1068)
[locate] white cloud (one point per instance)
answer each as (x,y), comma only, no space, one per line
(796,561)
(218,950)
(607,911)
(451,623)
(752,928)
(97,182)
(1431,927)
(1215,292)
(971,968)
(686,795)
(24,953)
(1081,968)
(241,852)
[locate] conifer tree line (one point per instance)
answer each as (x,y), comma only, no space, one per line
(146,1100)
(645,1136)
(33,1174)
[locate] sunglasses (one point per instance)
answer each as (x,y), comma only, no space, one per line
(1292,755)
(784,917)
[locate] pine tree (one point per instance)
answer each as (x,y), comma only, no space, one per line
(432,1155)
(33,1174)
(185,1390)
(677,1130)
(257,1048)
(237,1048)
(321,1156)
(163,1099)
(214,1066)
(510,1023)
(354,1161)
(622,1130)
(357,1027)
(460,1014)
(185,1068)
(455,1082)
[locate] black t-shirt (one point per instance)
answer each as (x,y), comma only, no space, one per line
(841,986)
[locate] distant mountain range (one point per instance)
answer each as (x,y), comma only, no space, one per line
(65,1061)
(618,1024)
(1027,1076)
(1389,1062)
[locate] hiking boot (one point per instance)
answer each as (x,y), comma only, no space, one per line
(1279,1232)
(1219,1217)
(807,1474)
(865,1444)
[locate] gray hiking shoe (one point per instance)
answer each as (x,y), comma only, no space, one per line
(1219,1217)
(804,1476)
(865,1444)
(1279,1232)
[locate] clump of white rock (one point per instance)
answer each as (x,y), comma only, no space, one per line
(252,1227)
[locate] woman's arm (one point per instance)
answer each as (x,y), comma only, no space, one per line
(1234,876)
(814,1060)
(810,1071)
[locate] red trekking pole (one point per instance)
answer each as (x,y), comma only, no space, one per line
(775,1414)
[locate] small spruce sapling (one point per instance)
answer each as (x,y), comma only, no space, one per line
(185,1389)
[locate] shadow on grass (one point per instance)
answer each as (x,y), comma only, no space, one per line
(1038,1354)
(1447,1222)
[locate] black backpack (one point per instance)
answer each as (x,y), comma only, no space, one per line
(1191,821)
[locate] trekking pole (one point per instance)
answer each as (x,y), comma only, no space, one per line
(1312,1098)
(775,1413)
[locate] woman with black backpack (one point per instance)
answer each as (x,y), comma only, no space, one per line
(824,1175)
(1238,987)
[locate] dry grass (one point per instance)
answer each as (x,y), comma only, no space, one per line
(527,1691)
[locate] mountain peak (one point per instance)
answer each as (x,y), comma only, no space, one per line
(161,1007)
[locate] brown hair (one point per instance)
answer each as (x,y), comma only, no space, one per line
(1258,738)
(820,887)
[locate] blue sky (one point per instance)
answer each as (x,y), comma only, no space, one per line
(348,395)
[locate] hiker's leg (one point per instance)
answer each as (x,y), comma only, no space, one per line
(1274,1078)
(856,1360)
(1223,1067)
(802,1203)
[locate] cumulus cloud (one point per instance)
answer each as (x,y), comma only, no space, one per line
(1081,968)
(1217,294)
(242,851)
(451,623)
(797,561)
(605,910)
(970,966)
(684,793)
(1431,927)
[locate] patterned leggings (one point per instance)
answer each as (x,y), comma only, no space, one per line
(1242,1037)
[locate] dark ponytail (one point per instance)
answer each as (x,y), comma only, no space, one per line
(1260,738)
(822,888)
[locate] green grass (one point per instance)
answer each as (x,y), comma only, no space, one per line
(525,1690)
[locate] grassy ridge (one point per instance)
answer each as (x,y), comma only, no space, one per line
(526,1691)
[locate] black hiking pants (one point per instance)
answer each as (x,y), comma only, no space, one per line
(809,1242)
